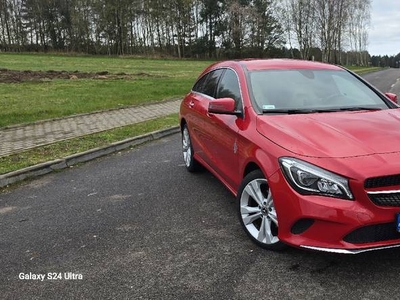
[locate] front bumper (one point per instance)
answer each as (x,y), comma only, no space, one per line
(348,251)
(333,225)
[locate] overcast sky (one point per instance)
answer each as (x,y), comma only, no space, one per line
(384,36)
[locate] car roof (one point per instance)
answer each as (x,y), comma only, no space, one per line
(277,64)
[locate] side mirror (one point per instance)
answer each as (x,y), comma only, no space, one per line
(392,97)
(223,106)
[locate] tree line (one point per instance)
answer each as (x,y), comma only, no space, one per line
(327,30)
(383,61)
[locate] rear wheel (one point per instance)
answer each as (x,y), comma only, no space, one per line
(257,212)
(187,150)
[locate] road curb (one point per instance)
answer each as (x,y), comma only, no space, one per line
(59,164)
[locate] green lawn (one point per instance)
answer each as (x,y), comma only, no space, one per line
(363,70)
(28,102)
(151,80)
(129,65)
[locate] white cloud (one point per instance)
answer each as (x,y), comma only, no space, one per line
(384,35)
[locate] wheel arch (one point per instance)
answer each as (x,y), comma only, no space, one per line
(260,160)
(182,123)
(250,167)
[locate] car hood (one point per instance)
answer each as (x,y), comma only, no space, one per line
(337,134)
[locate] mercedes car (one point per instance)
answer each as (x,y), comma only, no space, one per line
(310,150)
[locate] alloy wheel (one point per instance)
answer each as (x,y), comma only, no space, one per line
(186,147)
(257,211)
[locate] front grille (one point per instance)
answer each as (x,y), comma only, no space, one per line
(382,181)
(391,200)
(373,233)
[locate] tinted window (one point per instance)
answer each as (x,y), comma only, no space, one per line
(229,87)
(199,85)
(212,82)
(208,83)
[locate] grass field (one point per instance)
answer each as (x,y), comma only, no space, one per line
(129,65)
(150,80)
(363,70)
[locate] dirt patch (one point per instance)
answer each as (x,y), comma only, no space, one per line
(11,76)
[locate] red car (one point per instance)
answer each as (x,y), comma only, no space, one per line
(311,150)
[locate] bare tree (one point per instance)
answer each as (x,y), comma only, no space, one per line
(330,25)
(358,27)
(300,18)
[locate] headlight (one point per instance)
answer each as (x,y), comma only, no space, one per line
(308,179)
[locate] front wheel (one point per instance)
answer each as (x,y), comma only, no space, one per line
(257,212)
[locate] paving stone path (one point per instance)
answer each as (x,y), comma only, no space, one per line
(19,138)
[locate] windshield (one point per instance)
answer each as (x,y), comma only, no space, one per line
(311,91)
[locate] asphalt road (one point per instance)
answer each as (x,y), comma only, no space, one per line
(137,225)
(387,80)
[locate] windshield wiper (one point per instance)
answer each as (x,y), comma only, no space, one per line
(299,111)
(355,108)
(320,110)
(287,111)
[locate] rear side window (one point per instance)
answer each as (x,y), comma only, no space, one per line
(199,85)
(208,83)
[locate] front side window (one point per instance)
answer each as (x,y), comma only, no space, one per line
(208,83)
(229,87)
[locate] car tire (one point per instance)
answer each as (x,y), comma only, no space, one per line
(257,212)
(187,149)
